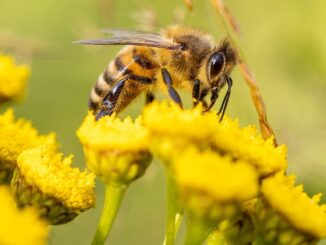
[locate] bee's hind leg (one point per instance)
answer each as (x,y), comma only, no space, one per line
(110,100)
(226,98)
(172,92)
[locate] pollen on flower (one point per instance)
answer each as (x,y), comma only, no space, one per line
(17,136)
(173,129)
(247,144)
(20,226)
(218,176)
(115,149)
(110,133)
(13,79)
(294,205)
(168,119)
(52,174)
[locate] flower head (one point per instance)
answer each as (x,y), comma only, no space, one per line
(219,176)
(214,178)
(60,191)
(15,137)
(301,217)
(212,188)
(233,232)
(13,79)
(116,150)
(18,227)
(173,130)
(246,144)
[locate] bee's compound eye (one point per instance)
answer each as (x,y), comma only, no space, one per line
(216,61)
(183,46)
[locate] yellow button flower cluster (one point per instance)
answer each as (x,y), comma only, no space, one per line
(289,206)
(62,191)
(115,149)
(118,152)
(13,79)
(218,169)
(18,227)
(172,129)
(15,137)
(224,179)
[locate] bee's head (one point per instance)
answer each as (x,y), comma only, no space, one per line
(220,63)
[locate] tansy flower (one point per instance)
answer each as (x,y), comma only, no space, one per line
(19,227)
(236,231)
(286,215)
(115,150)
(13,79)
(173,129)
(44,179)
(15,137)
(217,177)
(212,188)
(246,144)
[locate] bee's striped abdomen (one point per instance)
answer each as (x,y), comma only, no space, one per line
(102,86)
(138,64)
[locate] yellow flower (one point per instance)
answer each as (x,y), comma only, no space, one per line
(219,176)
(246,144)
(302,218)
(212,188)
(19,227)
(163,118)
(15,137)
(115,150)
(239,231)
(173,129)
(13,79)
(45,179)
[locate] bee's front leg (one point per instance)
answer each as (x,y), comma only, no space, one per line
(214,96)
(196,92)
(172,92)
(110,100)
(203,94)
(226,98)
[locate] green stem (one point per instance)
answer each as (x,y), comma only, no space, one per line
(113,197)
(197,232)
(174,216)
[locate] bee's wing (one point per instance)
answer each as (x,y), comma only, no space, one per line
(121,37)
(121,32)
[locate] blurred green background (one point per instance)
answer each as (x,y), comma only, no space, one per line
(284,43)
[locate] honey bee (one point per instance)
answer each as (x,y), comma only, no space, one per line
(178,58)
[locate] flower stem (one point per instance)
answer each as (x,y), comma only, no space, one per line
(174,216)
(113,197)
(197,232)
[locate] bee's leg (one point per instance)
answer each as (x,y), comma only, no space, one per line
(203,94)
(214,97)
(149,98)
(196,92)
(226,98)
(110,100)
(172,92)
